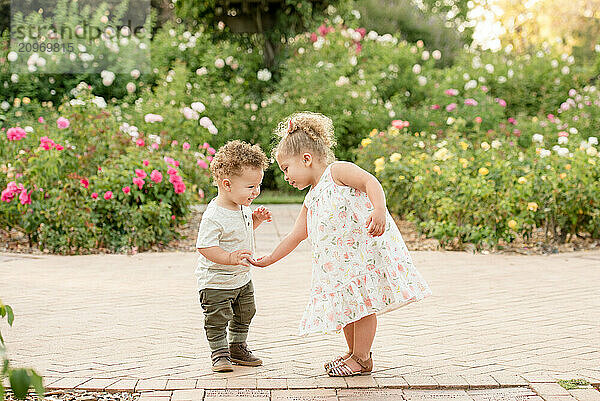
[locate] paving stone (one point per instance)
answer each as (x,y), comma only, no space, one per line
(211,383)
(417,395)
(180,384)
(558,398)
(122,385)
(151,384)
(538,378)
(304,395)
(504,394)
(585,394)
(301,383)
(188,395)
(371,394)
(237,394)
(331,382)
(509,380)
(449,381)
(155,396)
(391,382)
(481,381)
(241,382)
(360,382)
(97,384)
(271,384)
(422,382)
(68,383)
(545,389)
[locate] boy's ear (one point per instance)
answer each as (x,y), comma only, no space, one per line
(226,183)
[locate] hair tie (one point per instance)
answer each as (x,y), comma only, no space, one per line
(290,126)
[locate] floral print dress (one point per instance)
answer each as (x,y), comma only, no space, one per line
(353,275)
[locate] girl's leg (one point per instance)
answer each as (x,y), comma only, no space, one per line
(349,334)
(364,333)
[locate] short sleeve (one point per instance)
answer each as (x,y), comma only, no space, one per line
(209,233)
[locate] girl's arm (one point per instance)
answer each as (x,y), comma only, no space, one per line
(288,243)
(349,174)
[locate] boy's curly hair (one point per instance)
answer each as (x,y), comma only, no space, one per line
(306,132)
(234,156)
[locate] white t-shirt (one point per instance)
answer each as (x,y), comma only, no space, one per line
(231,230)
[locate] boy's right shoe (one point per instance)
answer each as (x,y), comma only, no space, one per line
(221,361)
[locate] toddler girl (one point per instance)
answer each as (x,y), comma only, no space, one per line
(360,264)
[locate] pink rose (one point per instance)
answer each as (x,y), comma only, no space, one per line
(94,195)
(140,142)
(478,120)
(451,107)
(206,145)
(501,102)
(108,195)
(186,145)
(202,164)
(171,171)
(126,190)
(138,181)
(471,102)
(435,107)
(25,197)
(154,146)
(156,176)
(211,151)
(84,182)
(62,123)
(313,37)
(140,173)
(41,120)
(209,158)
(451,92)
(15,134)
(145,162)
(174,143)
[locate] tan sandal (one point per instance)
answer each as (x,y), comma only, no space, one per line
(343,370)
(336,361)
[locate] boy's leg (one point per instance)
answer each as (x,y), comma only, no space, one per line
(217,314)
(244,309)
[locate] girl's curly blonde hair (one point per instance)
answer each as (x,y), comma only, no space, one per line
(306,132)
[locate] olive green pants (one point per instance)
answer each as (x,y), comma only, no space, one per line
(227,311)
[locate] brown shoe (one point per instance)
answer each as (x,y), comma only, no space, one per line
(241,355)
(344,370)
(221,361)
(336,361)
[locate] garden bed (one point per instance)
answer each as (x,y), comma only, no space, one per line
(15,242)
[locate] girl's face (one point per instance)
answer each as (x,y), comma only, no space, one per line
(296,169)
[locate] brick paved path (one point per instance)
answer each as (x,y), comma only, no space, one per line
(493,320)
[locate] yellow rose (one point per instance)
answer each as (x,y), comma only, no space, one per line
(365,142)
(483,171)
(464,145)
(512,224)
(379,164)
(563,176)
(394,131)
(373,132)
(437,169)
(26,100)
(485,146)
(568,167)
(401,177)
(534,119)
(532,206)
(395,157)
(522,180)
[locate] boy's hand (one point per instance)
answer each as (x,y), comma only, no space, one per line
(262,214)
(240,257)
(262,262)
(376,223)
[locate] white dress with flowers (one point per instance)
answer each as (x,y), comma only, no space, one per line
(353,275)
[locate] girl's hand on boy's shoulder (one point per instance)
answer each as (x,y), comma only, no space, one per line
(263,261)
(376,223)
(263,214)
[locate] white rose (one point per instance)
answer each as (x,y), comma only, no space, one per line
(219,63)
(592,140)
(198,106)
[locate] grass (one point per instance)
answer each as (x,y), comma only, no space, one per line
(280,197)
(573,383)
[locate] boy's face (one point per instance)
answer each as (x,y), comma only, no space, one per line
(296,169)
(243,188)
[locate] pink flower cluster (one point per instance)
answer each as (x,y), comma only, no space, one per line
(176,180)
(501,102)
(12,189)
(62,123)
(451,92)
(16,134)
(400,124)
(471,102)
(48,144)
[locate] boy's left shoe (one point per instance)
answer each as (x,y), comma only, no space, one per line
(241,355)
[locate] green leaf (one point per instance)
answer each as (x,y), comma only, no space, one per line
(19,382)
(11,315)
(1,339)
(37,383)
